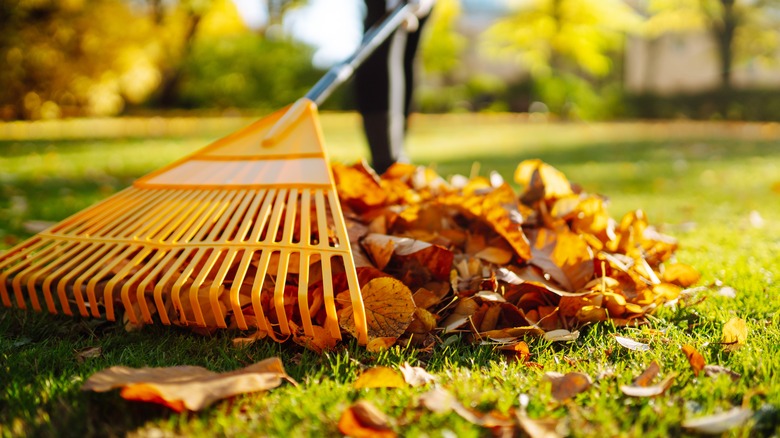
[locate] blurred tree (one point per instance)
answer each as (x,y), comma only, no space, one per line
(442,45)
(742,29)
(246,71)
(72,57)
(564,44)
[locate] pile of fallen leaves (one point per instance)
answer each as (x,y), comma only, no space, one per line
(473,255)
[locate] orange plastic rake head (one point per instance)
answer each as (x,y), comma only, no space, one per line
(247,231)
(237,232)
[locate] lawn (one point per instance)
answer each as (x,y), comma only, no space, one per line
(715,187)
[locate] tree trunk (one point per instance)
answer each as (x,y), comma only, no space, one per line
(172,76)
(724,38)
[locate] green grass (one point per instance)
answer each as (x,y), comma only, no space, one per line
(698,182)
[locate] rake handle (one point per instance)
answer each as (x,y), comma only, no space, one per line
(375,36)
(339,73)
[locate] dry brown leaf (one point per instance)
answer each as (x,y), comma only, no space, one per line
(561,335)
(389,309)
(464,309)
(416,376)
(631,344)
(648,374)
(187,387)
(694,358)
(735,333)
(88,353)
(518,351)
(537,428)
(714,370)
(512,332)
(717,424)
(566,386)
(440,401)
(380,377)
(364,420)
(649,391)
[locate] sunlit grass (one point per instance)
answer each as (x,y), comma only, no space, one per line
(714,187)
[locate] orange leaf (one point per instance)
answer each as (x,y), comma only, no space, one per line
(518,351)
(380,377)
(389,309)
(321,341)
(694,358)
(377,345)
(357,187)
(566,386)
(187,387)
(364,420)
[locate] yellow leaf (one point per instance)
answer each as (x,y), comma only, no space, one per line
(564,256)
(536,175)
(735,333)
(389,309)
(377,345)
(423,322)
(380,377)
(187,387)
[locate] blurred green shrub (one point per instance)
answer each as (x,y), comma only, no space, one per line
(246,71)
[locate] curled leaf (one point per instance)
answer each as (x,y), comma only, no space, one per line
(718,423)
(440,401)
(416,376)
(561,335)
(187,387)
(714,370)
(649,391)
(631,344)
(364,420)
(648,374)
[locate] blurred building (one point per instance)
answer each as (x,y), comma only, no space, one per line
(687,63)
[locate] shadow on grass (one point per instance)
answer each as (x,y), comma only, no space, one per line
(661,153)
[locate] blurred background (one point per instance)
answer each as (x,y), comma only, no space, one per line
(559,59)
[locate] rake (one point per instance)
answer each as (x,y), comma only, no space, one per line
(246,227)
